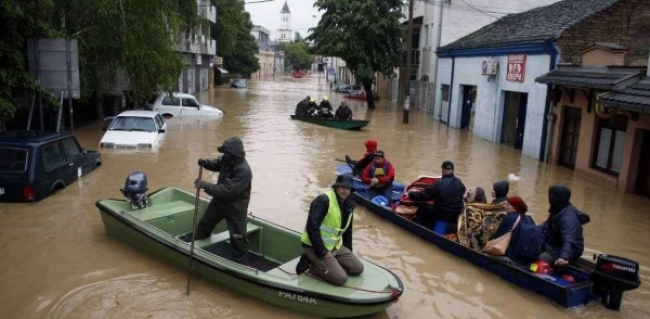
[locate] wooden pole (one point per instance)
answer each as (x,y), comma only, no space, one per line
(196,213)
(407,86)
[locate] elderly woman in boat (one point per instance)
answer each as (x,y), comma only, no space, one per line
(479,220)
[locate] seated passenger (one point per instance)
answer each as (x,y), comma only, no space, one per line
(477,223)
(325,105)
(343,112)
(448,193)
(301,108)
(526,239)
(368,157)
(500,191)
(312,107)
(563,233)
(380,175)
(475,195)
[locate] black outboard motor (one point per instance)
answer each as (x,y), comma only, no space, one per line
(135,189)
(614,275)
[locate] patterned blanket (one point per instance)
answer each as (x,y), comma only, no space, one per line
(477,223)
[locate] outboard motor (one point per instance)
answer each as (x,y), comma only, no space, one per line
(614,275)
(135,189)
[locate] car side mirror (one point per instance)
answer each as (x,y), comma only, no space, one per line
(162,130)
(104,128)
(84,151)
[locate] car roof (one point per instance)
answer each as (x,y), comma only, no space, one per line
(25,136)
(139,113)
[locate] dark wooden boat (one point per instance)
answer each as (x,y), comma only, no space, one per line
(591,281)
(339,124)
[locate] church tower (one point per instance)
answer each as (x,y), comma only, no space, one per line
(284,32)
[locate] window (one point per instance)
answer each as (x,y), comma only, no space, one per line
(190,103)
(13,160)
(133,123)
(53,155)
(71,148)
(172,101)
(610,140)
(160,121)
(445,92)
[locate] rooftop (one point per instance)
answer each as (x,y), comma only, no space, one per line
(635,97)
(285,8)
(140,113)
(532,26)
(593,77)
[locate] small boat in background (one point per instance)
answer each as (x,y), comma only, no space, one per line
(361,95)
(340,124)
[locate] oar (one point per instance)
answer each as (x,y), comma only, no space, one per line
(340,160)
(196,213)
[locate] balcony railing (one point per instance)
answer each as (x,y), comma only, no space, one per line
(212,47)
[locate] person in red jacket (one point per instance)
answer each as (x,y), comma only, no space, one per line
(360,165)
(380,176)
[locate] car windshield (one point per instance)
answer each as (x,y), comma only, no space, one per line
(240,81)
(133,123)
(13,160)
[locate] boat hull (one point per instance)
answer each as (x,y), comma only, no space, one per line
(176,252)
(339,124)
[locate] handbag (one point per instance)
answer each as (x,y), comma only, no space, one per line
(499,245)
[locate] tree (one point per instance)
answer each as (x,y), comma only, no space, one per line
(365,33)
(297,55)
(236,45)
(19,23)
(298,37)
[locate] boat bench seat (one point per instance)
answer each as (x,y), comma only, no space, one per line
(163,210)
(223,236)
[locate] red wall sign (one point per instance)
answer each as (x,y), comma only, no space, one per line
(516,67)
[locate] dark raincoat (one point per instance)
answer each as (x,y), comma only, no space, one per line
(501,189)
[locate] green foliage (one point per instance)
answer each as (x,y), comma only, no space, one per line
(298,37)
(19,23)
(297,55)
(365,33)
(235,44)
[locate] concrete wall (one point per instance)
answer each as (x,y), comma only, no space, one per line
(491,95)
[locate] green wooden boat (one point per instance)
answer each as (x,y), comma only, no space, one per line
(162,227)
(340,124)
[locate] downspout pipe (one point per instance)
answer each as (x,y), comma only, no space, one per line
(553,51)
(451,89)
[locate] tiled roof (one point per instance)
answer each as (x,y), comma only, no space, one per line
(606,46)
(635,97)
(533,26)
(606,78)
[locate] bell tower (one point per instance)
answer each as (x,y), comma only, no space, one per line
(284,32)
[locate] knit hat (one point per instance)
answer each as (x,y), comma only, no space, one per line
(518,204)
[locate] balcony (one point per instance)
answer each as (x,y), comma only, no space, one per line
(207,11)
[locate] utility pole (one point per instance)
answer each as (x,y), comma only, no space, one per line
(438,41)
(407,91)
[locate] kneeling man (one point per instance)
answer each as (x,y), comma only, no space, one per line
(327,239)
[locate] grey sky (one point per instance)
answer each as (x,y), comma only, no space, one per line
(267,14)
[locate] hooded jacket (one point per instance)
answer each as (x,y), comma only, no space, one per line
(368,157)
(233,189)
(562,229)
(501,189)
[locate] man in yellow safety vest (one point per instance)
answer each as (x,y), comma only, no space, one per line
(327,239)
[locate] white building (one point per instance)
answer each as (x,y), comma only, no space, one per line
(284,32)
(198,52)
(487,78)
(270,59)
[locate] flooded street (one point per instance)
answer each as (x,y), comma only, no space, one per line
(58,261)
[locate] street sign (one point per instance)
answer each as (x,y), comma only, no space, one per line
(331,71)
(54,62)
(325,59)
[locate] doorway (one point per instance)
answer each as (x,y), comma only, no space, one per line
(514,119)
(570,136)
(468,107)
(643,174)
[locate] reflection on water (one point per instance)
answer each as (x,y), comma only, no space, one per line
(58,262)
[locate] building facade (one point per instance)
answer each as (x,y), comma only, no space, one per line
(198,52)
(270,59)
(284,32)
(487,81)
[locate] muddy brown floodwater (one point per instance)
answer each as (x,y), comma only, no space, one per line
(58,262)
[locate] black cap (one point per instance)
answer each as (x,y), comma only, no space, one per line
(447,165)
(343,180)
(380,154)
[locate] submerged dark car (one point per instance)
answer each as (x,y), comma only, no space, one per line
(35,164)
(239,83)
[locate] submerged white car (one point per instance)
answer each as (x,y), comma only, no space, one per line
(182,104)
(134,129)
